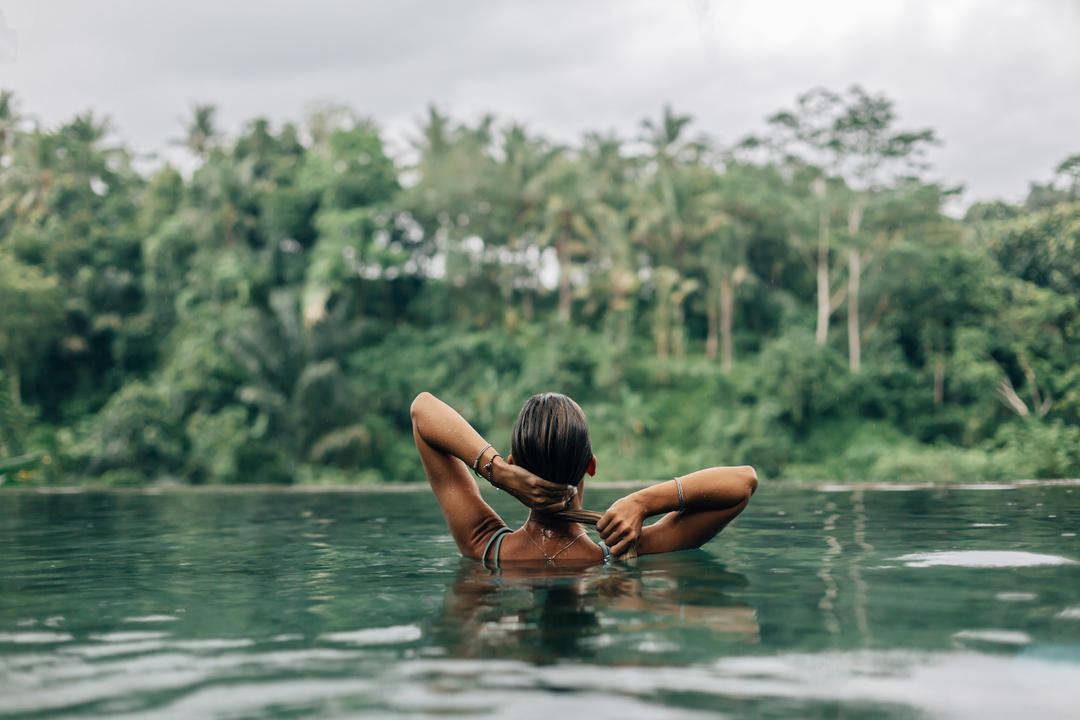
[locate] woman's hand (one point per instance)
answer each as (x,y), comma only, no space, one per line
(531,490)
(620,528)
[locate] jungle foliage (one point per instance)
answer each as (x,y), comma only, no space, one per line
(798,301)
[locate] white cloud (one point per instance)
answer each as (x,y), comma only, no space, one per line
(997,80)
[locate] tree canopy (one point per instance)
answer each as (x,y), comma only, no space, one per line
(798,301)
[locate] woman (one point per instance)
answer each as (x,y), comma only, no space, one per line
(550,455)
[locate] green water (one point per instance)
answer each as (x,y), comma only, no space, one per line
(818,602)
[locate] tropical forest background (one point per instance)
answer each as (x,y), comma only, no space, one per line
(797,300)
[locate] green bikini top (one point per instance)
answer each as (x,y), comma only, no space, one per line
(497,538)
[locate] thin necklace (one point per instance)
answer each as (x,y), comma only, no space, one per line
(550,558)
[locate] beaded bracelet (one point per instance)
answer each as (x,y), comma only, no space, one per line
(491,469)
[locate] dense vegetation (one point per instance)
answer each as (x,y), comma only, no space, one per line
(798,301)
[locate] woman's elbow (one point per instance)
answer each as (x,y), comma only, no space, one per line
(418,403)
(750,477)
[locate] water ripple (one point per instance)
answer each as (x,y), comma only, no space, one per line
(34,637)
(982,559)
(999,637)
(375,636)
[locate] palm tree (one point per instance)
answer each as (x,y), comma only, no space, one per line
(666,149)
(517,198)
(452,181)
(9,128)
(614,271)
(435,141)
(9,120)
(292,377)
(746,201)
(570,221)
(201,134)
(661,222)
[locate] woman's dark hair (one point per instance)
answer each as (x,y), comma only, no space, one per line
(551,439)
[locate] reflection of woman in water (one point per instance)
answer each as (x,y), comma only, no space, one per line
(540,616)
(550,454)
(543,614)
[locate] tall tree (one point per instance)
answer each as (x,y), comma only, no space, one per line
(676,209)
(31,303)
(852,139)
(201,134)
(613,262)
(448,197)
(528,166)
(746,201)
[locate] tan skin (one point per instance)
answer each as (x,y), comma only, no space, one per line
(448,445)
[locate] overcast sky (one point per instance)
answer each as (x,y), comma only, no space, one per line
(998,80)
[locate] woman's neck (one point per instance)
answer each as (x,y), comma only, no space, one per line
(551,525)
(554,526)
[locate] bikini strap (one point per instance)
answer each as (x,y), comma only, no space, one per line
(498,544)
(496,538)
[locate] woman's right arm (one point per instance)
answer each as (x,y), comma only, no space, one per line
(711,499)
(448,444)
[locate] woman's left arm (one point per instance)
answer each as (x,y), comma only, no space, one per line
(448,446)
(698,506)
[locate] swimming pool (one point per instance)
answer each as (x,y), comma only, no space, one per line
(819,601)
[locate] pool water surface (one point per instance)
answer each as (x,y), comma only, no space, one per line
(819,601)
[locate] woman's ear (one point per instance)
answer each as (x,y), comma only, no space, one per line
(510,459)
(590,469)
